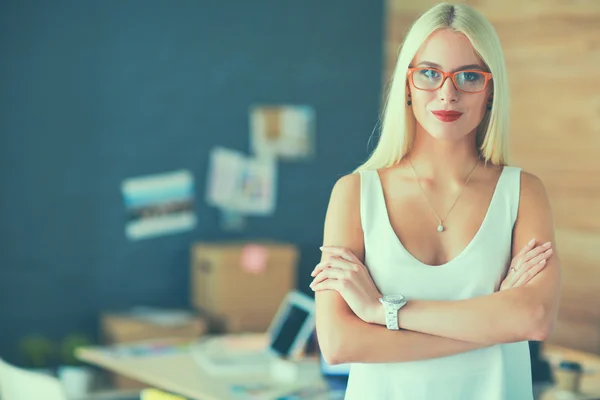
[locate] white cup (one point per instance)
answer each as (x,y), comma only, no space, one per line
(76,381)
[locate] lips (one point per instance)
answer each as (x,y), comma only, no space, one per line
(447,116)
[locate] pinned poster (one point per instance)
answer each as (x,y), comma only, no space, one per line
(241,184)
(286,132)
(159,204)
(224,172)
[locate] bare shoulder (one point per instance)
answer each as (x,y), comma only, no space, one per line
(534,218)
(533,200)
(347,185)
(535,221)
(532,187)
(343,229)
(342,222)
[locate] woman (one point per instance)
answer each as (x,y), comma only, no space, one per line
(435,216)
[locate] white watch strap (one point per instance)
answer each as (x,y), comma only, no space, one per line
(391,317)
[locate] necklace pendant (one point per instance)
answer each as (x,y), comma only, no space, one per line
(440,228)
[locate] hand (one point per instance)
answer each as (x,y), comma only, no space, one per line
(526,264)
(342,271)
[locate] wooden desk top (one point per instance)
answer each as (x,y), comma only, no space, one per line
(176,371)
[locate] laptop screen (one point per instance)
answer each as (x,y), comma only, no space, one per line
(285,335)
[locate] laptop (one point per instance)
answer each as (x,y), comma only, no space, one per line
(250,353)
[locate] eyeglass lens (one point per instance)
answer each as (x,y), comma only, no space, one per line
(430,79)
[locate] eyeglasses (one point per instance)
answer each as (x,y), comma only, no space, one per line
(430,79)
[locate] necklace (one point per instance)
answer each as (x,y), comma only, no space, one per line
(440,227)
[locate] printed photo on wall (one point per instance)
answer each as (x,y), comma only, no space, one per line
(159,204)
(286,131)
(241,184)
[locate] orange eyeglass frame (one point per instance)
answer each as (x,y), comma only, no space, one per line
(451,75)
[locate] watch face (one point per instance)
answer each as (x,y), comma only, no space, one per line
(394,299)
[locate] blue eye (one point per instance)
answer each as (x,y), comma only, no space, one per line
(429,73)
(471,76)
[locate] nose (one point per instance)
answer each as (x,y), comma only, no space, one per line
(448,92)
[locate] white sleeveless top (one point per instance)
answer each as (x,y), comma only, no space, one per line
(499,372)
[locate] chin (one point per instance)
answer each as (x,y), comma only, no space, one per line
(448,130)
(446,133)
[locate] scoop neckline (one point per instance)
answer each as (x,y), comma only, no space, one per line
(464,251)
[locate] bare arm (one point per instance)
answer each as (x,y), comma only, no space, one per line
(518,314)
(343,337)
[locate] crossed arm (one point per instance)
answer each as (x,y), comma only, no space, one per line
(439,328)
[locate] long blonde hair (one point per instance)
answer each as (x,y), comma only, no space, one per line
(398,128)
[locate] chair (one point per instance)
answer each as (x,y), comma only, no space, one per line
(20,384)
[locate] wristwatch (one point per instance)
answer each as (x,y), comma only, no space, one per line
(391,304)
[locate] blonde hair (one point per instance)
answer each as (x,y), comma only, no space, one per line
(398,128)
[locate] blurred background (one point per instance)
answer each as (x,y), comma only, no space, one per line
(163,163)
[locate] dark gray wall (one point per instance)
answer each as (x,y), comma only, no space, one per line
(93,92)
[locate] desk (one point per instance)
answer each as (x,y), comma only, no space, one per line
(590,382)
(177,372)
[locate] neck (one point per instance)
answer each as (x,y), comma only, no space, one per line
(443,160)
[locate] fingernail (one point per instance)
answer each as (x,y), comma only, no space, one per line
(321,248)
(549,251)
(532,241)
(547,244)
(543,261)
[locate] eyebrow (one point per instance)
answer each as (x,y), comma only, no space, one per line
(464,67)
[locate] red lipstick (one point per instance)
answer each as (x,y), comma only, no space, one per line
(447,116)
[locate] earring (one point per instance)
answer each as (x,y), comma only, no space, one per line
(489,104)
(409,102)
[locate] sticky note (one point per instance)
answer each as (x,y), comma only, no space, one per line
(155,394)
(254,258)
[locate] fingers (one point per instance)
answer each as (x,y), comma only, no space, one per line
(328,284)
(527,258)
(340,252)
(538,250)
(537,259)
(529,269)
(526,248)
(528,275)
(338,257)
(330,273)
(335,262)
(510,279)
